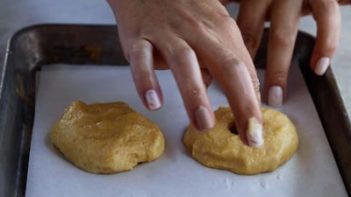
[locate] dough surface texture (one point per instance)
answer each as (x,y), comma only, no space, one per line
(106,137)
(220,148)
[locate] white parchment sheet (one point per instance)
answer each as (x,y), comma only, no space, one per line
(311,172)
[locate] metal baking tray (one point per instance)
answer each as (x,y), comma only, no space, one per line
(31,48)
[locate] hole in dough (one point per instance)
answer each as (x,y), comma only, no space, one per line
(232,128)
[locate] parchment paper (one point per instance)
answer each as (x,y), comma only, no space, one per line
(311,172)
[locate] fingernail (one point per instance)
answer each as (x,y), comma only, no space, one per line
(254,133)
(322,66)
(203,118)
(152,99)
(275,96)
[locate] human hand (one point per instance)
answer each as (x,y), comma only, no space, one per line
(181,34)
(284,17)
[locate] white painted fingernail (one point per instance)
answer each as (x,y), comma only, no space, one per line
(254,133)
(152,99)
(203,118)
(322,66)
(275,96)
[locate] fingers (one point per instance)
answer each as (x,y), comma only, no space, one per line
(191,80)
(141,60)
(229,63)
(186,70)
(243,102)
(236,82)
(251,23)
(327,16)
(282,36)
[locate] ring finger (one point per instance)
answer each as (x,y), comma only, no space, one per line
(185,67)
(282,35)
(141,60)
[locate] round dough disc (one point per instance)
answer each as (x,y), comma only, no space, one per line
(106,138)
(220,148)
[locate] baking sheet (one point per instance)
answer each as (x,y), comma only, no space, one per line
(311,172)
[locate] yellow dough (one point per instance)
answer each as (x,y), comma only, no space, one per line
(220,148)
(106,138)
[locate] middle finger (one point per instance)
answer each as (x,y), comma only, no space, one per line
(185,67)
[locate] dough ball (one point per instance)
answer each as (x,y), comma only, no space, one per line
(106,138)
(222,149)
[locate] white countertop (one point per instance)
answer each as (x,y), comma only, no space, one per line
(15,15)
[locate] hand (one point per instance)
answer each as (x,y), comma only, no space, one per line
(182,33)
(284,17)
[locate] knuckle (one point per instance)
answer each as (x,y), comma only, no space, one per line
(223,13)
(198,26)
(220,31)
(229,62)
(226,18)
(139,45)
(283,37)
(278,77)
(182,52)
(328,4)
(330,48)
(135,53)
(193,94)
(222,21)
(227,21)
(250,40)
(228,65)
